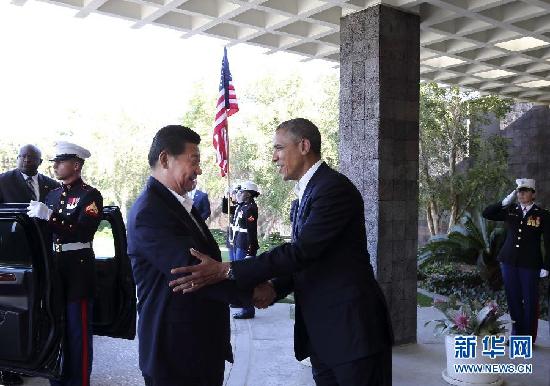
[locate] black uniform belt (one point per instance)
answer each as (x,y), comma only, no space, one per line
(71,246)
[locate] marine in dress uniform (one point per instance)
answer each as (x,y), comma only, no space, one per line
(73,212)
(521,258)
(245,231)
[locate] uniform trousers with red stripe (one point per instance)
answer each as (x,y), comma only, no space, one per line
(77,363)
(521,286)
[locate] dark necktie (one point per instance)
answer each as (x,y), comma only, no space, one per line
(295,222)
(30,185)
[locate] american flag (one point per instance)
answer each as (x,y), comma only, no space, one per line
(227,106)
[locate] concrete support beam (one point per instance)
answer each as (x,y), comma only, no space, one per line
(379,128)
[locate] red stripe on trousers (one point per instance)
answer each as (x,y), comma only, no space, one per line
(84,319)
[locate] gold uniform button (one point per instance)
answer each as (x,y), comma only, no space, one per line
(82,260)
(517,245)
(521,222)
(62,202)
(60,210)
(520,230)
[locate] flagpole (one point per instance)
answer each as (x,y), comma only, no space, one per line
(228,180)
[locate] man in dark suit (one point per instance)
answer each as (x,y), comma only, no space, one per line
(200,202)
(341,319)
(184,339)
(24,184)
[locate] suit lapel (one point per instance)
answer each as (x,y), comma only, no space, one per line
(304,202)
(210,242)
(22,185)
(174,206)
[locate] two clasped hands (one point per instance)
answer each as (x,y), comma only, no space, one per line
(210,271)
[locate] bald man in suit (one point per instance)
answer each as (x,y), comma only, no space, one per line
(24,183)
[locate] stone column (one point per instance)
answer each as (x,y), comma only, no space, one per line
(379,123)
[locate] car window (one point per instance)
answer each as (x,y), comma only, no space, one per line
(104,242)
(14,245)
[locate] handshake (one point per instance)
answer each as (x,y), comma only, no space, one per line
(264,295)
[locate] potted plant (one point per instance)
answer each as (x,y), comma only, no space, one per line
(468,318)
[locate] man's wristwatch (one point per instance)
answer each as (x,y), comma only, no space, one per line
(229,273)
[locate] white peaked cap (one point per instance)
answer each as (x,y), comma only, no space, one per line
(64,150)
(249,185)
(525,183)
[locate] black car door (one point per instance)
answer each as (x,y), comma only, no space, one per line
(31,300)
(31,306)
(115,302)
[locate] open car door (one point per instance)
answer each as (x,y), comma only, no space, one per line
(115,302)
(31,307)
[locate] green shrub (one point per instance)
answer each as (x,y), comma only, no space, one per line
(219,235)
(274,239)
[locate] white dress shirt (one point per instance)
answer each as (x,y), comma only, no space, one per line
(301,185)
(34,184)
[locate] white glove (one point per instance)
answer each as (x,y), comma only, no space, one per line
(543,273)
(39,210)
(509,198)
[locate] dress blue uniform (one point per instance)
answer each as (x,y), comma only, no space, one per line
(245,234)
(74,212)
(521,261)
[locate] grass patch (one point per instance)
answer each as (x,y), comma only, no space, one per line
(423,300)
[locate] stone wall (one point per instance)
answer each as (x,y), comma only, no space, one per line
(379,100)
(528,128)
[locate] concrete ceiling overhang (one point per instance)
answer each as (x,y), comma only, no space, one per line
(494,46)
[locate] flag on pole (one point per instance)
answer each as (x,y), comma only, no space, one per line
(227,106)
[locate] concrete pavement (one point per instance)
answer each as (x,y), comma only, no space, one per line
(264,356)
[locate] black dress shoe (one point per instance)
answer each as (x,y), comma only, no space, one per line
(243,316)
(234,306)
(8,379)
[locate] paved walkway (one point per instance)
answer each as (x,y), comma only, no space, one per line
(264,357)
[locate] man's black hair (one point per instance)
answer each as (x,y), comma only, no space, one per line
(302,128)
(172,139)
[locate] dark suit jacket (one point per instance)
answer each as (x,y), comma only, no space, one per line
(179,335)
(341,312)
(522,246)
(13,187)
(202,204)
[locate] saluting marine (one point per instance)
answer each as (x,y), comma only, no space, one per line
(73,212)
(521,258)
(245,231)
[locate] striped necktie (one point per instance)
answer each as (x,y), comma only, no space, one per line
(30,185)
